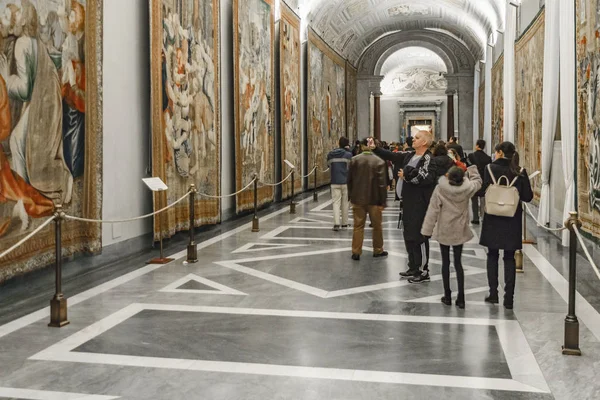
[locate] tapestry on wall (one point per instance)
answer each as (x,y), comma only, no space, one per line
(529,74)
(185,109)
(326,110)
(253,44)
(482,114)
(351,103)
(291,135)
(51,130)
(588,114)
(497,102)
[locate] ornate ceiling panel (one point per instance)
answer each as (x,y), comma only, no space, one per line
(351,26)
(413,70)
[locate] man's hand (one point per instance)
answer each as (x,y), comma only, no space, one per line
(371,143)
(381,208)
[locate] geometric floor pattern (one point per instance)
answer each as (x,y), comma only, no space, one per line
(286,314)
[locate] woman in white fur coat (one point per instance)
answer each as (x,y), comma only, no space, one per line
(447,220)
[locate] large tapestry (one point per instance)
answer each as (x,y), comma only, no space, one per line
(482,113)
(326,110)
(50,127)
(351,102)
(497,102)
(291,135)
(185,109)
(529,73)
(588,114)
(253,44)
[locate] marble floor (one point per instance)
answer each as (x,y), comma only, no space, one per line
(286,314)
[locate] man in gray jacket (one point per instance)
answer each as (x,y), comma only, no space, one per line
(368,194)
(338,160)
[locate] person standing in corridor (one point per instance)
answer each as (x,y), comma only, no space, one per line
(368,195)
(338,160)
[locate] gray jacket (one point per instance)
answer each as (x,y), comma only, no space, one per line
(447,218)
(338,161)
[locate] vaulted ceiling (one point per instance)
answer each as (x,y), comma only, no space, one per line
(351,26)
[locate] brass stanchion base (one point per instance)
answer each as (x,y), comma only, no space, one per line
(160,261)
(315,196)
(571,347)
(192,253)
(519,261)
(292,208)
(255,227)
(58,312)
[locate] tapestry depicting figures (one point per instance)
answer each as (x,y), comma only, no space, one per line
(253,27)
(351,102)
(482,112)
(185,109)
(529,74)
(588,114)
(291,136)
(326,110)
(50,127)
(497,102)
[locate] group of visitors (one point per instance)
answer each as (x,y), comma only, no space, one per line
(435,183)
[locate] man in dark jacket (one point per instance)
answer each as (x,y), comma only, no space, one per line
(338,160)
(368,195)
(481,160)
(453,144)
(417,181)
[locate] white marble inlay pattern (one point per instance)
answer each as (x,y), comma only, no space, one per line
(30,394)
(22,322)
(527,376)
(219,288)
(254,247)
(584,310)
(237,265)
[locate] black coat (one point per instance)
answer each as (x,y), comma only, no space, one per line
(417,189)
(481,160)
(441,165)
(505,233)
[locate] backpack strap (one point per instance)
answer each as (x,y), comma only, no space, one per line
(489,167)
(516,177)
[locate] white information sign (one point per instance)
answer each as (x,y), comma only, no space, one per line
(155,184)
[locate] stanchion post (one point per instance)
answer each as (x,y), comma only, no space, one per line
(161,259)
(255,224)
(192,250)
(292,203)
(571,346)
(525,240)
(315,194)
(58,304)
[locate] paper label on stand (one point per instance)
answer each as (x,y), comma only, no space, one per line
(155,184)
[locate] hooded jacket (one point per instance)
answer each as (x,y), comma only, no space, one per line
(338,161)
(447,218)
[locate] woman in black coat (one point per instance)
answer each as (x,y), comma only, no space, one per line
(504,233)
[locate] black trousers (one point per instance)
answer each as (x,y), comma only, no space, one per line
(418,254)
(476,201)
(510,273)
(460,274)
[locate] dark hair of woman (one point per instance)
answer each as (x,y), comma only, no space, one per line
(440,150)
(511,154)
(456,176)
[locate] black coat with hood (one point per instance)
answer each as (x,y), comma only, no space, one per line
(417,189)
(505,233)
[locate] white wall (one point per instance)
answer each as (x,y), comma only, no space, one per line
(529,9)
(126,117)
(390,115)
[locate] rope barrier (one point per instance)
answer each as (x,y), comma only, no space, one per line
(587,254)
(228,195)
(117,221)
(26,238)
(278,183)
(540,224)
(310,173)
(327,170)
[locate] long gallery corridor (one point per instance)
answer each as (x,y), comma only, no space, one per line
(286,314)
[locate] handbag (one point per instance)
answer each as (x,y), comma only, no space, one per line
(501,200)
